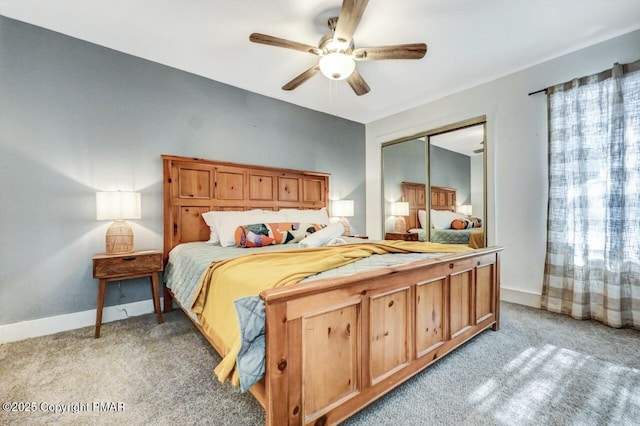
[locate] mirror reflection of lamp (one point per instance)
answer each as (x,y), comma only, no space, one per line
(465,209)
(118,206)
(343,209)
(400,209)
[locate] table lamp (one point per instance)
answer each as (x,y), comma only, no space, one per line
(343,209)
(118,206)
(400,209)
(465,209)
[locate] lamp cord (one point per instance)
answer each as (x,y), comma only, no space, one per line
(120,296)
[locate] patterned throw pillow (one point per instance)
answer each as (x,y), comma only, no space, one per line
(264,234)
(469,222)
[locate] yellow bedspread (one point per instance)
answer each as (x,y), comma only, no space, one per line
(476,239)
(231,279)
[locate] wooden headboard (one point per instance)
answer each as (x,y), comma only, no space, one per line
(193,186)
(414,193)
(441,199)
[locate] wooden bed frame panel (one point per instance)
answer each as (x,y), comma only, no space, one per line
(193,186)
(442,198)
(334,346)
(415,195)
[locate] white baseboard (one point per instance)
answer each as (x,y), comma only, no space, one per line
(51,325)
(520,297)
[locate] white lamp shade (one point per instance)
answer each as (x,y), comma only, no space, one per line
(337,66)
(465,209)
(342,208)
(118,205)
(400,208)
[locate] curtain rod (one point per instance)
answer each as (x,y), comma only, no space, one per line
(626,68)
(538,91)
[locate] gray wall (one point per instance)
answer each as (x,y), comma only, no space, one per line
(451,170)
(516,150)
(76,118)
(402,162)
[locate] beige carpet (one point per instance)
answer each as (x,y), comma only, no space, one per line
(540,368)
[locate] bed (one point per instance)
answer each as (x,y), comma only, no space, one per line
(443,199)
(335,344)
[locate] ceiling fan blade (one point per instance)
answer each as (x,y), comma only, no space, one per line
(478,151)
(301,78)
(399,51)
(358,84)
(349,18)
(281,42)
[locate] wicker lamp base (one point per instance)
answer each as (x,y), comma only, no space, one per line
(347,226)
(400,225)
(119,238)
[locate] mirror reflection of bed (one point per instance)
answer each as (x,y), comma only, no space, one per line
(450,163)
(450,223)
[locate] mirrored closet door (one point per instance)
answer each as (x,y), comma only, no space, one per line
(447,179)
(404,165)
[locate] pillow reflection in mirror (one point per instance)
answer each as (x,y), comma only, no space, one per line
(422,218)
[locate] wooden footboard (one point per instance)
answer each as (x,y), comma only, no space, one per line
(334,346)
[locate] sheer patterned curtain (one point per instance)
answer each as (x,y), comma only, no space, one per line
(592,268)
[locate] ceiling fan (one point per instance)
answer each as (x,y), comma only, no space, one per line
(479,150)
(336,50)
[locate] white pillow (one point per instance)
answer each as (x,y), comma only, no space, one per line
(322,237)
(319,216)
(208,219)
(223,224)
(422,218)
(336,242)
(441,219)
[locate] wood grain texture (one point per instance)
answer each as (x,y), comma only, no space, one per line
(330,358)
(443,198)
(120,267)
(350,16)
(389,332)
(398,51)
(301,78)
(335,345)
(398,306)
(430,314)
(281,42)
(195,186)
(126,265)
(357,83)
(415,195)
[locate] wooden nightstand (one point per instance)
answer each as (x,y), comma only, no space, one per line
(125,266)
(408,236)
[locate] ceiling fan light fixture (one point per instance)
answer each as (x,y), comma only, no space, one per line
(331,45)
(337,65)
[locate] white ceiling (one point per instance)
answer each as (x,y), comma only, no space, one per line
(470,42)
(463,141)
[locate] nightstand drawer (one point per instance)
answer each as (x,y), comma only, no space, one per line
(113,266)
(401,236)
